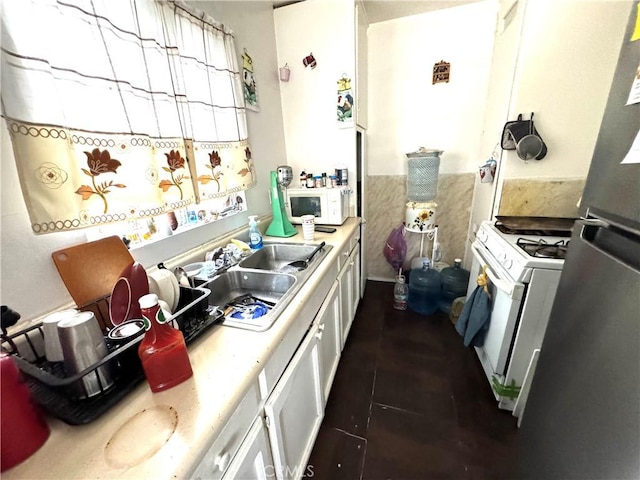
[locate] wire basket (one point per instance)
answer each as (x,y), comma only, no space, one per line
(57,393)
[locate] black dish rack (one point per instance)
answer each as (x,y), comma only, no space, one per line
(56,392)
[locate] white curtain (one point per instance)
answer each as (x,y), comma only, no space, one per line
(120,110)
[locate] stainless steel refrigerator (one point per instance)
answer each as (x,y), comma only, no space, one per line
(582,416)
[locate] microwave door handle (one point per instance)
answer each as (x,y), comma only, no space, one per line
(512,289)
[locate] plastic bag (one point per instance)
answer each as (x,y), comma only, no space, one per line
(395,248)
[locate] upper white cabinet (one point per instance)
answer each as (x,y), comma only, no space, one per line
(362,24)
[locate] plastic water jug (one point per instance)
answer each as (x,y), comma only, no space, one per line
(454,284)
(424,290)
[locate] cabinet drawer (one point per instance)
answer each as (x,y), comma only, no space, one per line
(225,446)
(347,248)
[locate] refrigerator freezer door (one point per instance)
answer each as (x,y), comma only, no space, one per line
(610,186)
(583,412)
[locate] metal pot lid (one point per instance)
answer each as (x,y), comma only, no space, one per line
(425,152)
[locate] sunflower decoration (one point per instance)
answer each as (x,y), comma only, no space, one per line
(421,219)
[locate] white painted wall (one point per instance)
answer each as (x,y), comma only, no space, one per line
(555,58)
(565,66)
(405,110)
(326,28)
(29,282)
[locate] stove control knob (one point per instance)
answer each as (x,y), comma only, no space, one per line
(482,235)
(507,263)
(502,257)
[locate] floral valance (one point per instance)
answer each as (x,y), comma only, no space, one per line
(120,110)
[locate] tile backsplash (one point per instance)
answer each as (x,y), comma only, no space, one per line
(386,199)
(541,197)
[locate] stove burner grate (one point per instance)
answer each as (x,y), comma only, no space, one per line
(542,249)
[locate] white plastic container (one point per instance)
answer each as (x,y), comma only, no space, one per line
(421,216)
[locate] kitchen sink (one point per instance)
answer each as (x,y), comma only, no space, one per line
(275,256)
(271,291)
(257,284)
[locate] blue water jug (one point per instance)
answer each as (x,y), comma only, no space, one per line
(424,290)
(455,281)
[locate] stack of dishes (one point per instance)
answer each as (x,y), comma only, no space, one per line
(164,283)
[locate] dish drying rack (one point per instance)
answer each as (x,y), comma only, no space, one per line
(54,391)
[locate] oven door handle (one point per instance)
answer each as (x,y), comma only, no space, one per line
(513,289)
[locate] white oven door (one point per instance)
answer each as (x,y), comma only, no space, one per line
(506,298)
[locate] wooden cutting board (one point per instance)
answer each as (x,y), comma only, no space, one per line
(90,270)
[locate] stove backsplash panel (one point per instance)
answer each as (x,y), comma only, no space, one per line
(541,197)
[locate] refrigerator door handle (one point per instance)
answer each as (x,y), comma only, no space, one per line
(616,241)
(593,222)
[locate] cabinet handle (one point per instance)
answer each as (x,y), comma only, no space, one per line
(321,327)
(346,253)
(319,335)
(222,461)
(352,263)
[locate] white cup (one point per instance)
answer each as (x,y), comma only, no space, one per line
(308,225)
(52,348)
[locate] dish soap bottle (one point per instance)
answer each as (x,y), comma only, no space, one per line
(163,351)
(255,237)
(400,293)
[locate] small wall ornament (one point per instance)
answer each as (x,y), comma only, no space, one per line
(441,72)
(345,102)
(249,83)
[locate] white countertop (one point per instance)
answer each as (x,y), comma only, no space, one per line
(225,362)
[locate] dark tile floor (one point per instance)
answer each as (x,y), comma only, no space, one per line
(409,401)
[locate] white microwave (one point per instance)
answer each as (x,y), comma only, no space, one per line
(330,206)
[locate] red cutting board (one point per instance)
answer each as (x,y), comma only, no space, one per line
(90,270)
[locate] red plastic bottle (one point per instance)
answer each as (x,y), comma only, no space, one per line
(162,351)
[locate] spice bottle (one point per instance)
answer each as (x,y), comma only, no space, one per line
(310,181)
(163,351)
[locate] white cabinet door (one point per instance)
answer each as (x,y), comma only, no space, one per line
(354,259)
(294,410)
(345,281)
(253,461)
(329,336)
(349,280)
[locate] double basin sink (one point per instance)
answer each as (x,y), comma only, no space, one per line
(255,292)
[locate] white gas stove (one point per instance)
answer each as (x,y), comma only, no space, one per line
(519,253)
(523,270)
